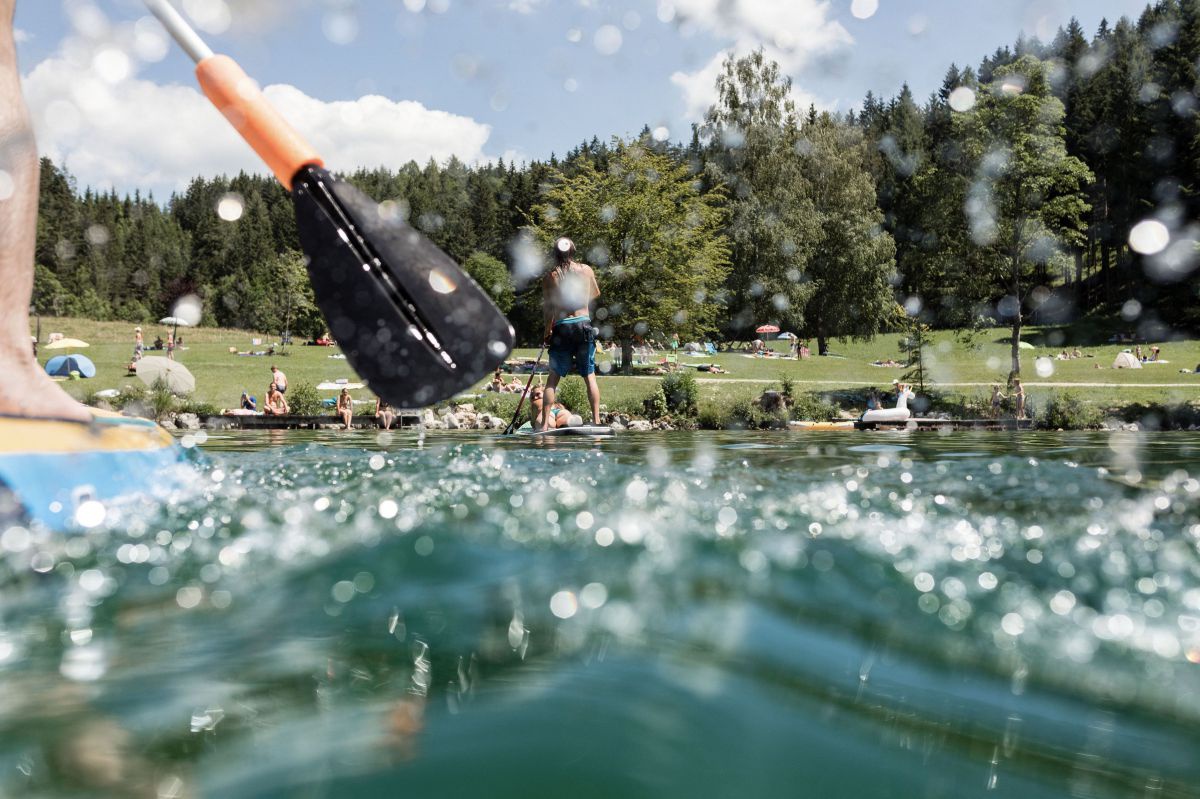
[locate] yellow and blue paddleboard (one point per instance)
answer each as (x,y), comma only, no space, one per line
(49,467)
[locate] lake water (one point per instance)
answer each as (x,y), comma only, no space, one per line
(674,615)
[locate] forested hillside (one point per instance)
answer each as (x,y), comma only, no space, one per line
(1009,195)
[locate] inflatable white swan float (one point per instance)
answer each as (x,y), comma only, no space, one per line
(900,413)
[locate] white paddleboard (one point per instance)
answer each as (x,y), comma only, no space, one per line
(581,430)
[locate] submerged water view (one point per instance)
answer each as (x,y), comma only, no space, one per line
(661,615)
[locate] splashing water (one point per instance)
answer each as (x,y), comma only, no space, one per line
(674,615)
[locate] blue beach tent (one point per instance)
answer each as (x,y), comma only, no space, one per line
(63,365)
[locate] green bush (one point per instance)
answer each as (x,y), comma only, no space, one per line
(1067,412)
(681,393)
(496,404)
(160,400)
(813,408)
(198,408)
(573,394)
(713,416)
(302,400)
(787,387)
(745,414)
(130,394)
(630,406)
(655,405)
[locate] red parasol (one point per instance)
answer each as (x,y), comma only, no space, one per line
(767,329)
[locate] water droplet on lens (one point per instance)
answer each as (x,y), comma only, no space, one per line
(440,282)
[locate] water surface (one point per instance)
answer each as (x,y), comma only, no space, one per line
(814,614)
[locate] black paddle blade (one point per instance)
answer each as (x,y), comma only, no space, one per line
(411,322)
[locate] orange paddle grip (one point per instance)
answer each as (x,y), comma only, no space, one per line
(237,97)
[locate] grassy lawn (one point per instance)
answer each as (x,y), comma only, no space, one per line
(953,366)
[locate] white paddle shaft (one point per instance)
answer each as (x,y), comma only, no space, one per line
(182,32)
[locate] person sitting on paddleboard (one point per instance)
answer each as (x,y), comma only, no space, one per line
(568,291)
(560,416)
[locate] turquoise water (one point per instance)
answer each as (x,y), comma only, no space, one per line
(678,615)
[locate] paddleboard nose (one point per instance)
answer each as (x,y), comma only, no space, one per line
(411,322)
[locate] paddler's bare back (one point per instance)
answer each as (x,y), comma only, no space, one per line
(568,292)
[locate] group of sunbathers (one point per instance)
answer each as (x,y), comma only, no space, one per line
(514,386)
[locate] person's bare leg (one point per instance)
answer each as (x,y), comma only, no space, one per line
(26,390)
(548,399)
(593,390)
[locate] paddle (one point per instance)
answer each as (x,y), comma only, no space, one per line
(513,424)
(410,321)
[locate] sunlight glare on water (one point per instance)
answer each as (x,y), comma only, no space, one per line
(423,593)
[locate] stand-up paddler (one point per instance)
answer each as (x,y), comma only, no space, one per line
(569,291)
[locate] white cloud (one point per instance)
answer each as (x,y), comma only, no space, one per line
(139,134)
(793,33)
(20,35)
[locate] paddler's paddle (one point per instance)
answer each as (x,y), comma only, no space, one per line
(513,424)
(412,323)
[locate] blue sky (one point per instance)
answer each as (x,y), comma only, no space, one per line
(476,78)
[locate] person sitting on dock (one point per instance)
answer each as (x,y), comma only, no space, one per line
(276,405)
(345,407)
(248,402)
(384,413)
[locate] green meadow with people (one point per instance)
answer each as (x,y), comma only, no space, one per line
(361,435)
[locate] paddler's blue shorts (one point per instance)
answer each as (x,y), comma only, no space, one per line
(573,347)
